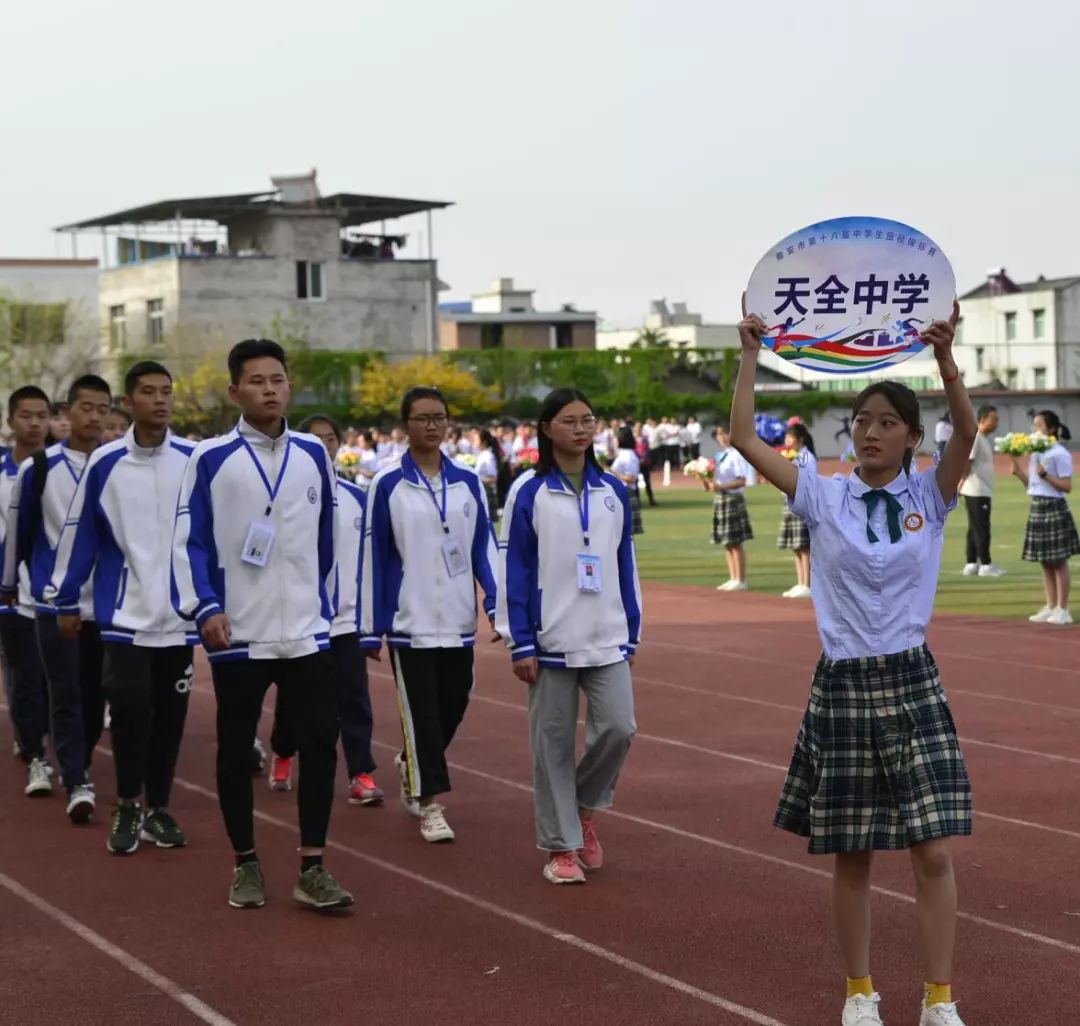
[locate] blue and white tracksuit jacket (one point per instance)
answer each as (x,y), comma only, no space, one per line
(65,467)
(282,610)
(407,593)
(9,471)
(352,503)
(542,613)
(119,529)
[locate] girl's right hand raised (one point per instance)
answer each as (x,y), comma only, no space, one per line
(752,330)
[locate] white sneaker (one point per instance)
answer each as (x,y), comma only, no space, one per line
(790,592)
(39,782)
(971,569)
(1060,617)
(739,586)
(860,1010)
(726,586)
(991,571)
(1042,615)
(944,1014)
(412,806)
(433,826)
(81,803)
(800,591)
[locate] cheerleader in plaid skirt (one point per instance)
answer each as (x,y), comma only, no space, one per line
(731,521)
(1051,536)
(877,765)
(794,534)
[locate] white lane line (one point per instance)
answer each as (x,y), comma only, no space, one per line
(526,922)
(197,1008)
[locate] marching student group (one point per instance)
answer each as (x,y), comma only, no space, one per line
(119,558)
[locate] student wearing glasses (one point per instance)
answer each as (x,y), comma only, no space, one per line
(427,543)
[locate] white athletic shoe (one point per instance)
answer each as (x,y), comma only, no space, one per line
(991,571)
(39,782)
(943,1014)
(412,806)
(860,1010)
(1060,617)
(788,593)
(971,569)
(800,591)
(433,826)
(81,803)
(1042,615)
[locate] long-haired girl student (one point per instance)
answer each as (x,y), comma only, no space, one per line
(877,765)
(490,467)
(1051,536)
(731,521)
(627,467)
(794,534)
(427,543)
(570,612)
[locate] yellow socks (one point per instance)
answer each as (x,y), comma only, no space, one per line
(861,986)
(936,993)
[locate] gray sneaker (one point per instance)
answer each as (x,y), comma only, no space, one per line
(39,779)
(317,888)
(81,802)
(247,890)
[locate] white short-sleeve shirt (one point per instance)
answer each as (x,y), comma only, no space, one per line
(1058,461)
(979,484)
(872,598)
(729,467)
(626,462)
(486,464)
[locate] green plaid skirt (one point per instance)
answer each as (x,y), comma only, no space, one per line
(730,520)
(794,534)
(877,764)
(1051,531)
(637,523)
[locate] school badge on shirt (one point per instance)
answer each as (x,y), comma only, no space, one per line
(913,522)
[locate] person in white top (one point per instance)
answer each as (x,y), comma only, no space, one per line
(877,764)
(977,488)
(1051,537)
(794,534)
(693,429)
(627,468)
(731,522)
(490,468)
(943,430)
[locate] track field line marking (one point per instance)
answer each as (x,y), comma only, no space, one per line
(197,1008)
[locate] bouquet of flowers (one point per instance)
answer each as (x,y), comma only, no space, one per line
(700,468)
(790,454)
(347,459)
(1017,443)
(467,458)
(528,458)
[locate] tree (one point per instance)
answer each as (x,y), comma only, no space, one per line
(651,338)
(46,344)
(202,397)
(378,395)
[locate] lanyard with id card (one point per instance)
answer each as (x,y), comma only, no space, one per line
(261,532)
(455,556)
(590,580)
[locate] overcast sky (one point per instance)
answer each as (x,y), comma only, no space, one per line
(604,153)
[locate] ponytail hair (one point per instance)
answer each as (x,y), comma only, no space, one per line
(1054,426)
(801,434)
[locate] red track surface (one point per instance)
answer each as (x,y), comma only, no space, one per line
(703,913)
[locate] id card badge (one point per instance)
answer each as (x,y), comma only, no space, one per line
(454,557)
(588,573)
(259,542)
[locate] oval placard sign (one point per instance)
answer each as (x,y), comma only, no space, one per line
(852,294)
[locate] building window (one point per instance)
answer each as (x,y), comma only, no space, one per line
(309,280)
(564,336)
(1012,378)
(979,353)
(1010,327)
(155,321)
(1038,324)
(491,336)
(36,323)
(117,327)
(1039,377)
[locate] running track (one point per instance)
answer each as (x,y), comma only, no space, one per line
(703,913)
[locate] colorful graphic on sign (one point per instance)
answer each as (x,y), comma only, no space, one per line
(851,295)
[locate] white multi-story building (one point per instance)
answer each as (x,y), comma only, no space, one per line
(1021,335)
(184,278)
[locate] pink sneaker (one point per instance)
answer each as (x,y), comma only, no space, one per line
(280,774)
(563,868)
(364,791)
(591,855)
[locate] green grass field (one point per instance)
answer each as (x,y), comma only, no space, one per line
(675,549)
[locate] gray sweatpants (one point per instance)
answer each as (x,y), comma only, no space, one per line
(560,783)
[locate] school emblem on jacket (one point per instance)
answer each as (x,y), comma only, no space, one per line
(467,509)
(913,522)
(312,495)
(358,523)
(610,503)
